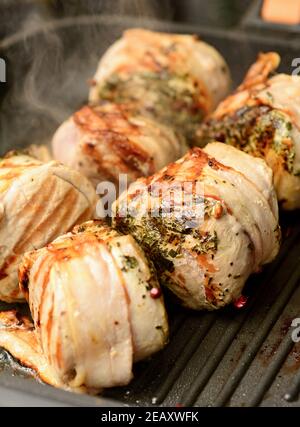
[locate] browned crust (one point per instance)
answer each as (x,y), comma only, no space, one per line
(196,158)
(22,246)
(259,72)
(113,128)
(256,78)
(175,59)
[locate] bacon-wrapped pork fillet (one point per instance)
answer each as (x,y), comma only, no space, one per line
(262,118)
(107,140)
(38,202)
(96,305)
(175,79)
(207,221)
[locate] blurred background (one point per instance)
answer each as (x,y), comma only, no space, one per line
(51,47)
(278,17)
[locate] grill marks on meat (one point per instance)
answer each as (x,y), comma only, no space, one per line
(112,127)
(262,118)
(156,94)
(95,121)
(39,202)
(227,227)
(175,79)
(106,140)
(90,295)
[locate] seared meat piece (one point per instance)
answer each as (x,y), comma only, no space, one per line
(262,118)
(257,171)
(38,202)
(96,305)
(107,140)
(174,78)
(207,225)
(18,337)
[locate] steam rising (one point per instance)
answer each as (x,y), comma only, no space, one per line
(49,63)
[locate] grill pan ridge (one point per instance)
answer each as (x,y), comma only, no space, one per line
(231,357)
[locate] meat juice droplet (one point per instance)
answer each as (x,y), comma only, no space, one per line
(155,293)
(240,302)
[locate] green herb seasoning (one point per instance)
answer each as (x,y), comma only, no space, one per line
(171,99)
(129,262)
(165,238)
(255,130)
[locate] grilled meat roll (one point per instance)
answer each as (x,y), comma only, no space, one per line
(176,79)
(107,140)
(38,202)
(96,305)
(262,118)
(207,222)
(18,337)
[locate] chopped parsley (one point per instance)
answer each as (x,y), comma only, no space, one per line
(129,262)
(255,130)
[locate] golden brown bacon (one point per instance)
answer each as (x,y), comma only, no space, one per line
(38,202)
(18,337)
(174,79)
(96,306)
(107,140)
(262,118)
(207,221)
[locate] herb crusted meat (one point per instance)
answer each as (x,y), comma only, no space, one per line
(96,305)
(149,94)
(205,248)
(175,79)
(262,118)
